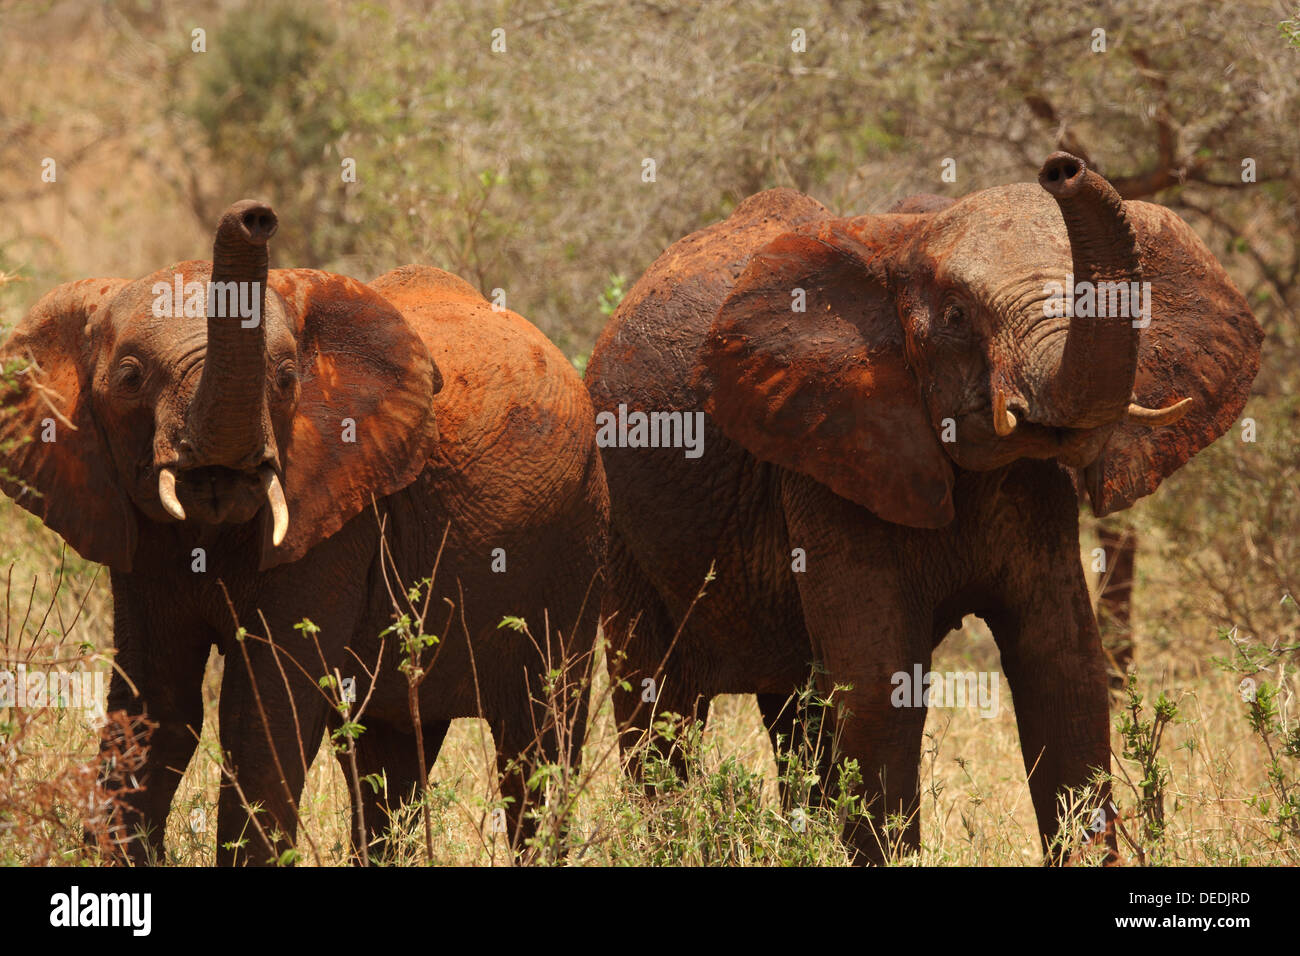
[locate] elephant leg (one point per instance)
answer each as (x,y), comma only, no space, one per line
(516,738)
(884,739)
(390,752)
(796,734)
(266,757)
(1053,660)
(864,633)
(648,754)
(170,688)
(563,728)
(562,701)
(529,735)
(1114,605)
(639,650)
(563,731)
(1051,650)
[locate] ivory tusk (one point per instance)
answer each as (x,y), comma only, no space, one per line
(1004,422)
(167,494)
(1155,417)
(279,509)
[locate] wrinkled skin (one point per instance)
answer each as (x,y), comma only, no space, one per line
(825,432)
(468,423)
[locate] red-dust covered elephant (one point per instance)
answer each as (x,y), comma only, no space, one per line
(247,445)
(901,411)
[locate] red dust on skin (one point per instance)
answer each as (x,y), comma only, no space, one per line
(327,375)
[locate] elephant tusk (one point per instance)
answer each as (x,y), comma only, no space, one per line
(279,509)
(1004,423)
(167,494)
(1155,417)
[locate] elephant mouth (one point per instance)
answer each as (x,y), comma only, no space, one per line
(996,431)
(214,494)
(981,446)
(1075,447)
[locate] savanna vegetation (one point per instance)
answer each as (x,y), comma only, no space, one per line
(555,168)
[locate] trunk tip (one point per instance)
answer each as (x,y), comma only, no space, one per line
(251,220)
(1063,174)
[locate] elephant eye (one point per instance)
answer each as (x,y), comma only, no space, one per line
(286,375)
(953,314)
(130,374)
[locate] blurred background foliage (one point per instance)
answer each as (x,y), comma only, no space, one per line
(523,169)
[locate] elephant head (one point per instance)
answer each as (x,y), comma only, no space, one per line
(211,394)
(1048,320)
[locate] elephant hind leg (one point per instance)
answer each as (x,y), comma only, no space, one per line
(802,742)
(539,736)
(516,744)
(1114,604)
(390,754)
(641,654)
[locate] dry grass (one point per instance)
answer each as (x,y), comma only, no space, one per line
(976,806)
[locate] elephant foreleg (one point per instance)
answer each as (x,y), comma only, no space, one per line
(864,634)
(1053,660)
(170,686)
(270,741)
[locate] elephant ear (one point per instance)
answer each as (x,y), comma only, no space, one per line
(364,424)
(1203,343)
(827,391)
(54,460)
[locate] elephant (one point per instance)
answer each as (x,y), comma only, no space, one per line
(289,452)
(899,414)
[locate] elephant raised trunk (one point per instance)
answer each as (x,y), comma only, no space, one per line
(1094,379)
(226,424)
